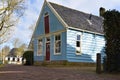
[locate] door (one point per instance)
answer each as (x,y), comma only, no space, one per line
(47,51)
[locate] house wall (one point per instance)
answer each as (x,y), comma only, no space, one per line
(53,57)
(61,56)
(55,28)
(90,45)
(41,57)
(55,24)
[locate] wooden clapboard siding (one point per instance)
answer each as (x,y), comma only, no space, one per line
(91,42)
(41,57)
(54,23)
(90,45)
(61,56)
(54,26)
(53,57)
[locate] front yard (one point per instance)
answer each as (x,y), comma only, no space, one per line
(19,72)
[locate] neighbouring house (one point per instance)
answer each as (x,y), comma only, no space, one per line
(13,58)
(63,33)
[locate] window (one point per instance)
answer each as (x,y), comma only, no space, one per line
(78,44)
(40,44)
(47,39)
(57,44)
(46,14)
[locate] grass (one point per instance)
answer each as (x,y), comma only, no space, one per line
(1,65)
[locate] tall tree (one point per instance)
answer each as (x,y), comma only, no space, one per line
(31,28)
(18,52)
(112,36)
(5,50)
(21,49)
(10,13)
(16,42)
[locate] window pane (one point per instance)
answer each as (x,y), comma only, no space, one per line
(55,37)
(57,44)
(58,37)
(48,39)
(46,13)
(78,43)
(39,47)
(78,37)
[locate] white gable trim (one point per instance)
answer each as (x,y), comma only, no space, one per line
(39,17)
(46,35)
(57,15)
(32,38)
(65,24)
(54,12)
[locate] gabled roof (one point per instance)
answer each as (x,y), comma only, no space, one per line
(13,52)
(78,19)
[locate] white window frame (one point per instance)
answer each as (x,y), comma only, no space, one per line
(39,51)
(78,48)
(57,53)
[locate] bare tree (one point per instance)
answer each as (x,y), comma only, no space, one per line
(10,13)
(5,50)
(18,52)
(16,43)
(21,49)
(31,28)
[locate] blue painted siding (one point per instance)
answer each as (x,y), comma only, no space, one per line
(62,56)
(53,57)
(90,45)
(40,28)
(55,24)
(38,58)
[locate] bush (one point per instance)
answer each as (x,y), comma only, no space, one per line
(28,56)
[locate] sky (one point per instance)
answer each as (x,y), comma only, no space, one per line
(33,9)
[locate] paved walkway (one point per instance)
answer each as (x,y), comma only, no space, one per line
(16,72)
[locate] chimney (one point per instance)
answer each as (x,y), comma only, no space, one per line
(101,11)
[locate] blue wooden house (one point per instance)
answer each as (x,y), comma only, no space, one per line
(65,34)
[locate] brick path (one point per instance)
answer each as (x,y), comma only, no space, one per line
(16,72)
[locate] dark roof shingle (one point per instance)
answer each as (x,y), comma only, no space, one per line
(78,19)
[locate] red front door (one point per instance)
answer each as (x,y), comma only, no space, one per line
(47,51)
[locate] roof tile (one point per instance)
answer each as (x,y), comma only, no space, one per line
(78,19)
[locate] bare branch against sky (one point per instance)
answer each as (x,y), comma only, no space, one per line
(10,12)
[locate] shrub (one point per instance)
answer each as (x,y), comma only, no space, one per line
(28,56)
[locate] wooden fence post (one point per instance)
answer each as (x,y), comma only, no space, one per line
(98,63)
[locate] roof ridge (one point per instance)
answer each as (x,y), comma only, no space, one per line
(74,9)
(78,19)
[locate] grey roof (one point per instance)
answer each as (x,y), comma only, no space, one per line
(78,19)
(13,52)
